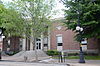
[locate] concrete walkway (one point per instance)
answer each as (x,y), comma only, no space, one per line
(74,62)
(10,63)
(49,62)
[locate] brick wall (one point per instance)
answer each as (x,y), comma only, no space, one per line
(14,44)
(69,42)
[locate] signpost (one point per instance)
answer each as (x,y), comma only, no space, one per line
(84,45)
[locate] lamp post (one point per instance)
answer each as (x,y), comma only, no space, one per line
(80,30)
(81,55)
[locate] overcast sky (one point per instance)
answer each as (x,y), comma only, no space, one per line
(6,0)
(58,8)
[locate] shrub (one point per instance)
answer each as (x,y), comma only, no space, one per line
(52,52)
(10,53)
(73,54)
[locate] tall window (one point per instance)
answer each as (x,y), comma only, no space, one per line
(45,42)
(59,41)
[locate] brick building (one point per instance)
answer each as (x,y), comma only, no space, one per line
(11,44)
(58,39)
(63,39)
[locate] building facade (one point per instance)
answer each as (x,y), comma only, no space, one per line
(59,38)
(62,39)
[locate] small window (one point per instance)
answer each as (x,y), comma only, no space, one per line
(59,41)
(45,45)
(59,44)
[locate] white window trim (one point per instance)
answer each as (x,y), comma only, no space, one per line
(58,36)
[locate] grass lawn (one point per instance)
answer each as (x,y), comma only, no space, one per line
(86,57)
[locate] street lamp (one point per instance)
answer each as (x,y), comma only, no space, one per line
(80,29)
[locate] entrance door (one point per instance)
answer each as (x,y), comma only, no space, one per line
(38,44)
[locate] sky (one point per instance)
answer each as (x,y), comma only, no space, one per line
(6,0)
(58,8)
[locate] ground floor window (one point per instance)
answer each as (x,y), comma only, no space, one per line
(59,42)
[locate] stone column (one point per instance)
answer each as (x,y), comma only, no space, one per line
(31,43)
(48,39)
(24,44)
(41,42)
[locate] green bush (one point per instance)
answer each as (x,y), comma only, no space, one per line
(52,52)
(73,54)
(10,53)
(88,54)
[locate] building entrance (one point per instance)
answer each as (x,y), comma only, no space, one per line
(38,44)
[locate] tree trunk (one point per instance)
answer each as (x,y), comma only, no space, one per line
(35,49)
(36,56)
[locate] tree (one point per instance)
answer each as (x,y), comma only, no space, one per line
(37,15)
(10,20)
(89,16)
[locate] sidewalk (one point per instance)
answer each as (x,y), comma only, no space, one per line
(69,62)
(74,62)
(11,63)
